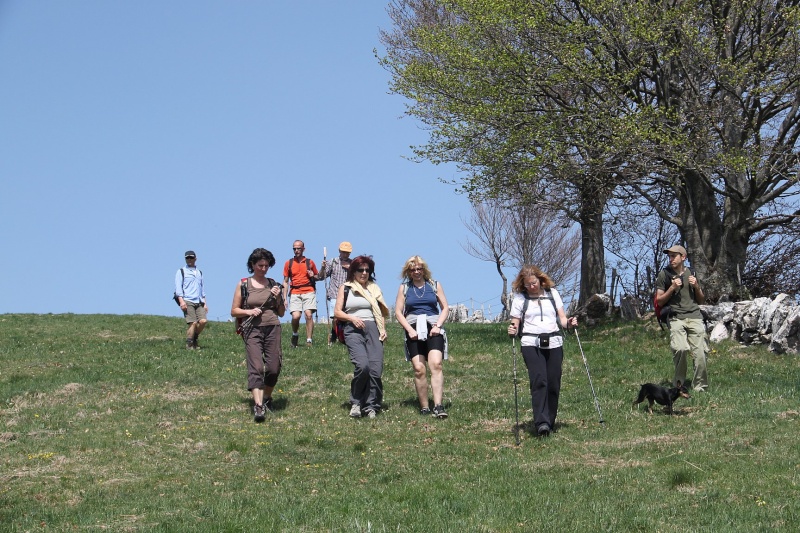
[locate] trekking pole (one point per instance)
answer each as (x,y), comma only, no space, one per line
(586,364)
(516,395)
(327,308)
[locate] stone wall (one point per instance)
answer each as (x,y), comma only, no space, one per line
(760,321)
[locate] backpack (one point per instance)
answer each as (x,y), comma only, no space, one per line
(311,281)
(175,294)
(339,324)
(549,295)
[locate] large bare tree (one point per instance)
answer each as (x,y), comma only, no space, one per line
(510,235)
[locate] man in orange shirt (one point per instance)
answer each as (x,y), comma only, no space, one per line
(301,274)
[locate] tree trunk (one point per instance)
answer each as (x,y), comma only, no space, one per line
(716,240)
(593,268)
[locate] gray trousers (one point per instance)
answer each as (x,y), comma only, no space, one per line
(366,354)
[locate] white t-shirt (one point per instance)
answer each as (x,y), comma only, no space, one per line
(540,317)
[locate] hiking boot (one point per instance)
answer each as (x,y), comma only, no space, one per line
(194,343)
(308,343)
(258,413)
(355,411)
(371,413)
(294,341)
(189,344)
(268,407)
(439,412)
(425,411)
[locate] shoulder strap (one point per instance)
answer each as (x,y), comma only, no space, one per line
(346,292)
(549,295)
(243,288)
(183,278)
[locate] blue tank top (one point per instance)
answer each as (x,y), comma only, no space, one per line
(421,301)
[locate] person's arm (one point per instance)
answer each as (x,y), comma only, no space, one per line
(237,311)
(277,291)
(179,289)
(444,310)
(699,296)
(565,322)
(286,276)
(399,306)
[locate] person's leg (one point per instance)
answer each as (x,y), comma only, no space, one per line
(190,336)
(200,324)
(555,359)
(273,361)
(355,340)
(696,337)
(435,348)
(680,349)
(375,362)
(309,325)
(420,380)
(537,373)
(255,370)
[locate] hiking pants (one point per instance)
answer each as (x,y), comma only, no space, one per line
(544,372)
(366,354)
(687,336)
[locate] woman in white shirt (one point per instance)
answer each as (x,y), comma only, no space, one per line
(536,313)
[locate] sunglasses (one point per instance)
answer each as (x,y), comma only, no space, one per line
(362,270)
(417,269)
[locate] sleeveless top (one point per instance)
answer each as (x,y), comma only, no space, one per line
(421,301)
(255,298)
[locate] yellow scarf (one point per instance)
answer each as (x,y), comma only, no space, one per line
(372,293)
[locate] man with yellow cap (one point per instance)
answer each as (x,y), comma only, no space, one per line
(337,271)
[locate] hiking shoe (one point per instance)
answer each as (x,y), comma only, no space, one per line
(258,413)
(308,343)
(355,411)
(194,343)
(543,430)
(371,413)
(268,407)
(189,344)
(439,412)
(294,341)
(425,411)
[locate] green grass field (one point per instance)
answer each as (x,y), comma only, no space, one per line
(108,423)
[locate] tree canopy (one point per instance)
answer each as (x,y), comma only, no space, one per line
(567,103)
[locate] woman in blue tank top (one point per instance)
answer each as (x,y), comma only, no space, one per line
(421,308)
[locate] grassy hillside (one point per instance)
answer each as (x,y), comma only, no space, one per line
(108,423)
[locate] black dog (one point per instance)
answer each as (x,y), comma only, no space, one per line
(661,395)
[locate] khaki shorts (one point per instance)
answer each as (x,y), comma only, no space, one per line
(303,302)
(194,312)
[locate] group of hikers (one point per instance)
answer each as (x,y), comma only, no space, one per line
(359,321)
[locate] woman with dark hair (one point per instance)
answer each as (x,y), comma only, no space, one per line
(417,308)
(536,312)
(362,310)
(259,300)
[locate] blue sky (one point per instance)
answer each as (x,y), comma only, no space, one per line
(133,131)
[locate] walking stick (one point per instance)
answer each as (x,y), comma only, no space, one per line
(516,395)
(325,260)
(596,403)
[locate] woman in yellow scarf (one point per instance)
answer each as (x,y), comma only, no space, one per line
(361,308)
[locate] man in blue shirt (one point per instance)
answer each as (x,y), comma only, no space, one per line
(191,296)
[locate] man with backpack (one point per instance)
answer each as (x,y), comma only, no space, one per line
(300,278)
(337,271)
(677,287)
(190,294)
